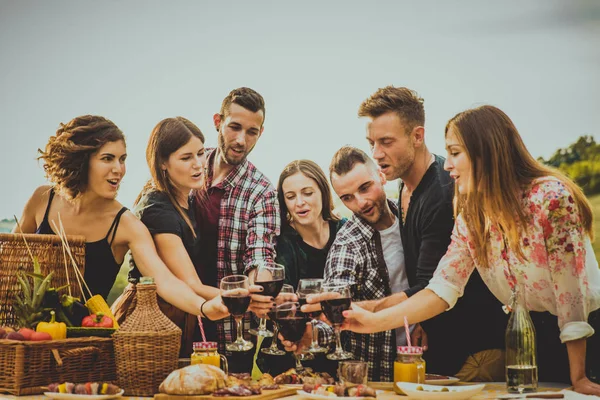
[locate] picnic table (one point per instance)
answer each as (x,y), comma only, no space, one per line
(491,391)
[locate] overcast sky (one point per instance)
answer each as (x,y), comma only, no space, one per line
(137,62)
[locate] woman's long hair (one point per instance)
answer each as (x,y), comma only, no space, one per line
(311,170)
(501,168)
(166,138)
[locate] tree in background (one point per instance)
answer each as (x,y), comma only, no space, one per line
(581,162)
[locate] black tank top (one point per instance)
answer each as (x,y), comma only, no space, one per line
(101,269)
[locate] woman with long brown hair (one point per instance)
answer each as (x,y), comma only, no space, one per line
(175,157)
(522,225)
(308,223)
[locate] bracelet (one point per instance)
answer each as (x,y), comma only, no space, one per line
(202,313)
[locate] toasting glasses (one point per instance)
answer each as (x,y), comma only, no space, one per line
(307,287)
(236,297)
(273,349)
(338,300)
(270,276)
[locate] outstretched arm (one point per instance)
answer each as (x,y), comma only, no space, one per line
(420,307)
(169,287)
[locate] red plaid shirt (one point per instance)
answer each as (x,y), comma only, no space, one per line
(248,225)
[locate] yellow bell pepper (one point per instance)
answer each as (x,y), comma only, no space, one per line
(58,330)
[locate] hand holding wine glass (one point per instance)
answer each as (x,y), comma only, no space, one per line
(236,297)
(338,299)
(270,276)
(308,287)
(287,291)
(292,324)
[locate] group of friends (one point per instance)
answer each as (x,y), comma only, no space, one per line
(467,231)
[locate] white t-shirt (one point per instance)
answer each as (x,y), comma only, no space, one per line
(393,254)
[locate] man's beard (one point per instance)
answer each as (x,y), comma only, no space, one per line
(224,149)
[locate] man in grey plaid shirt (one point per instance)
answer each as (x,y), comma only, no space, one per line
(367,253)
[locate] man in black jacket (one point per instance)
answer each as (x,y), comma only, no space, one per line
(396,134)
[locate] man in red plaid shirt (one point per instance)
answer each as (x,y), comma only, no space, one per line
(237,214)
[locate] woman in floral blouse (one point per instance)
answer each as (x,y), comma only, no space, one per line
(522,224)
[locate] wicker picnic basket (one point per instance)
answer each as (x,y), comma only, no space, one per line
(27,367)
(146,345)
(15,257)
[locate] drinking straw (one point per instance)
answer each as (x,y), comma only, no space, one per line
(201,328)
(407,331)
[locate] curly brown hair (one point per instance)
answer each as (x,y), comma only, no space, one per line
(67,154)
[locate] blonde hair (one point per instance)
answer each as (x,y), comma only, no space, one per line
(501,168)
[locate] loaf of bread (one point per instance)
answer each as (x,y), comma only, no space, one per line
(194,379)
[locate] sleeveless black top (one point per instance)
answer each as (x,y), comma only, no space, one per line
(101,269)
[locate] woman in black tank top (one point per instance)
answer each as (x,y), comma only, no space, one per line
(85,161)
(175,156)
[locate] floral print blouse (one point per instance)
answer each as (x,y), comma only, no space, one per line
(560,275)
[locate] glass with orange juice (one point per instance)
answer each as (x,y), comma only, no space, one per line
(206,353)
(409,366)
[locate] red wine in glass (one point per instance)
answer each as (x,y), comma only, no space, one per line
(271,288)
(292,328)
(333,309)
(311,315)
(237,305)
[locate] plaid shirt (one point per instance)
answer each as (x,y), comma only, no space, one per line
(248,225)
(356,258)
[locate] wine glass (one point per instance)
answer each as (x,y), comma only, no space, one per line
(307,287)
(236,297)
(273,349)
(292,324)
(270,276)
(338,300)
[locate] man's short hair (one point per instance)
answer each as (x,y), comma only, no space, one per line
(345,158)
(406,103)
(245,97)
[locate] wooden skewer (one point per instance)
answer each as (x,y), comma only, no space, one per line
(63,238)
(23,236)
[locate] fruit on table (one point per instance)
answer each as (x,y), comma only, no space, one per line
(98,320)
(58,330)
(15,336)
(26,332)
(88,388)
(39,336)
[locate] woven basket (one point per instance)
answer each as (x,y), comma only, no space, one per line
(27,367)
(146,346)
(15,257)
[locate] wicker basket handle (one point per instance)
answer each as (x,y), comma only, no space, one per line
(79,352)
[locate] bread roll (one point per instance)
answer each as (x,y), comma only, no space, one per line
(194,379)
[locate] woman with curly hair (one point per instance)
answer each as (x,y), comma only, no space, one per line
(85,161)
(525,227)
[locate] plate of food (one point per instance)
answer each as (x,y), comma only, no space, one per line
(354,392)
(293,378)
(434,379)
(424,391)
(83,391)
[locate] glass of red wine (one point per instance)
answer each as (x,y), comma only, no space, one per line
(292,324)
(307,287)
(270,276)
(337,300)
(273,349)
(236,297)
